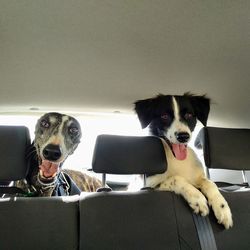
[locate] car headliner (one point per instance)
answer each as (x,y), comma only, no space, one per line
(103,55)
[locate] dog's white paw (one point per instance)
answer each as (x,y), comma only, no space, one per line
(222,211)
(196,200)
(198,203)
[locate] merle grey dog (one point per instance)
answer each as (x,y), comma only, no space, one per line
(56,137)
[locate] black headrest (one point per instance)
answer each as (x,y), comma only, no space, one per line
(14,141)
(115,154)
(225,148)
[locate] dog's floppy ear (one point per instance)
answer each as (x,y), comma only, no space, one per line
(145,110)
(201,106)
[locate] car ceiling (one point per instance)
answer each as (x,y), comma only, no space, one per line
(102,55)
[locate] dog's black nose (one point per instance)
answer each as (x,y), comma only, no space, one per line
(52,152)
(182,137)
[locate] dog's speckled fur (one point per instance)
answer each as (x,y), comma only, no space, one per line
(63,132)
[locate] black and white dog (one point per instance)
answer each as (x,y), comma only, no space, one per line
(56,137)
(173,118)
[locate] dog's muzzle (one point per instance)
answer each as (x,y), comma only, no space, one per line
(52,152)
(182,137)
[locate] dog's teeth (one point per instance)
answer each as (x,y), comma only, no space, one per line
(41,172)
(54,175)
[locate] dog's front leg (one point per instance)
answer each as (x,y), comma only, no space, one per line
(155,180)
(196,200)
(217,201)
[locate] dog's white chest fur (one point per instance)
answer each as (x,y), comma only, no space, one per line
(190,168)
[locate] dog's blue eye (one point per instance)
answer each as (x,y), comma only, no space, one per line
(73,130)
(45,124)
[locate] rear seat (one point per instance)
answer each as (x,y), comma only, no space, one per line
(31,223)
(228,148)
(39,223)
(146,219)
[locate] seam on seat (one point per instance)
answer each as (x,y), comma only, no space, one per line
(176,222)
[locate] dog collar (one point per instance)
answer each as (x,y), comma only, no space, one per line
(48,185)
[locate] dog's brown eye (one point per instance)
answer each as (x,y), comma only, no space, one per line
(45,124)
(188,116)
(73,130)
(165,116)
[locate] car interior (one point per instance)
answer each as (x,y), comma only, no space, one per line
(93,60)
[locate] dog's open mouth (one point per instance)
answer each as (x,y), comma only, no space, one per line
(179,151)
(48,170)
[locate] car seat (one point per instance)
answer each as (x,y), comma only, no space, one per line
(31,222)
(228,148)
(145,219)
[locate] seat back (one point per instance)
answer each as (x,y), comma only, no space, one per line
(133,220)
(228,148)
(138,220)
(39,223)
(31,223)
(225,148)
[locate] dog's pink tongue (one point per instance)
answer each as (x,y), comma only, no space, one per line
(48,168)
(180,151)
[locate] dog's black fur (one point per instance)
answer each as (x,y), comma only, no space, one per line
(153,111)
(173,118)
